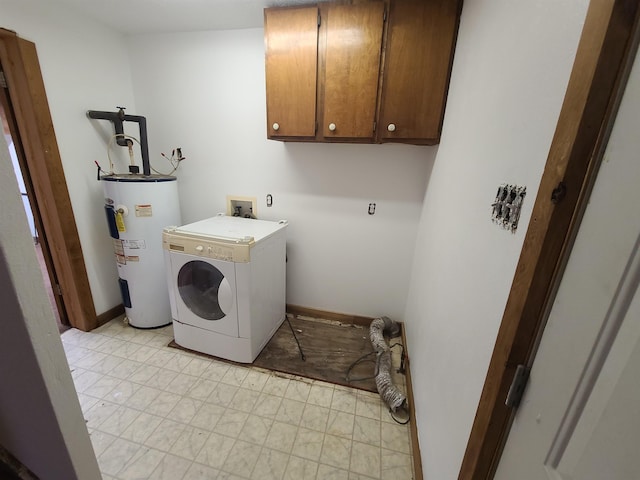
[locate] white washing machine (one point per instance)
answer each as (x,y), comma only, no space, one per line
(226,278)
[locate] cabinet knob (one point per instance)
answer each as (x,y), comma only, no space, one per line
(332,127)
(391,127)
(276,126)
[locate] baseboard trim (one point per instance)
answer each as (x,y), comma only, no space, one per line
(366,321)
(109,315)
(413,428)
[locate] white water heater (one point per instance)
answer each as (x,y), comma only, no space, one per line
(138,207)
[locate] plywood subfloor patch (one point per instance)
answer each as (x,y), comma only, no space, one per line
(330,348)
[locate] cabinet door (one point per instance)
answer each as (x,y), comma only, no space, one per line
(351,69)
(291,59)
(420,42)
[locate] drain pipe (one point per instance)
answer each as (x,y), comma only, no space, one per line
(117,118)
(389,393)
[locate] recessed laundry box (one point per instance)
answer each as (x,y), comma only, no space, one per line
(226,278)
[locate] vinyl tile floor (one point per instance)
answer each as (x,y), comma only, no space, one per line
(155,412)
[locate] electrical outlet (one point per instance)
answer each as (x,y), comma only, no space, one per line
(242,206)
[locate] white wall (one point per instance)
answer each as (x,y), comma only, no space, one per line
(85,67)
(42,424)
(510,72)
(205,92)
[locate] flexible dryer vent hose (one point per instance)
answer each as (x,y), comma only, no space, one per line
(389,393)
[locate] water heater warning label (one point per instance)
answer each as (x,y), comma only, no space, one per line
(120,223)
(134,244)
(143,211)
(118,249)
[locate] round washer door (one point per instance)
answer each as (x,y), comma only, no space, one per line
(205,290)
(205,293)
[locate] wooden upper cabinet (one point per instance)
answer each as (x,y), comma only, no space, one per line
(419,51)
(338,72)
(350,54)
(291,59)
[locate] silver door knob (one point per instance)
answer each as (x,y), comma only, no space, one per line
(276,127)
(332,127)
(391,127)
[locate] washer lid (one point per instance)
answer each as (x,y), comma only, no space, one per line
(234,229)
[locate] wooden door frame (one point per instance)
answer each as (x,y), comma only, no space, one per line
(35,128)
(603,60)
(40,235)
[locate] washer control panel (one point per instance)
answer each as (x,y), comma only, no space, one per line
(216,249)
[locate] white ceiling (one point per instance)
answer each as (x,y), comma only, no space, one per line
(156,16)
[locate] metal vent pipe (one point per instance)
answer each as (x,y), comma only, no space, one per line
(389,393)
(117,118)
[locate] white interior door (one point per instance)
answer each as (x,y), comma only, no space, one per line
(580,414)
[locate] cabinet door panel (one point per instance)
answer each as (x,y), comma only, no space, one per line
(291,58)
(352,64)
(420,42)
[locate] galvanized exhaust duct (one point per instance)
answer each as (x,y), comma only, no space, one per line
(389,393)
